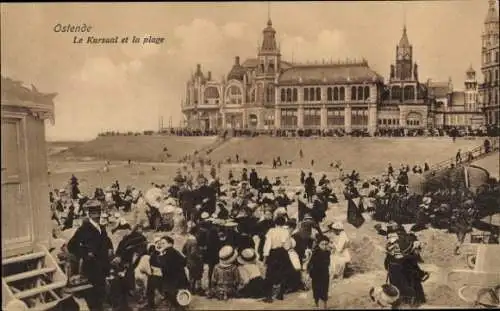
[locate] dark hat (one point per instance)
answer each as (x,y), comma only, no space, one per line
(93,206)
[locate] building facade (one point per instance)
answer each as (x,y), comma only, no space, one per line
(490,61)
(455,108)
(267,92)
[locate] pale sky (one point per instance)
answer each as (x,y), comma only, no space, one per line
(127,87)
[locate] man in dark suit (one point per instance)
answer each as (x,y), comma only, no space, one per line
(93,247)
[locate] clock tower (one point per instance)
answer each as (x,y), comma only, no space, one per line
(404,59)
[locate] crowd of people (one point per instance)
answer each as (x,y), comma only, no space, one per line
(258,239)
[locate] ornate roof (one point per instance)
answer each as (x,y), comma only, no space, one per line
(492,15)
(269,40)
(330,73)
(439,89)
(471,70)
(250,63)
(15,94)
(404,42)
(237,73)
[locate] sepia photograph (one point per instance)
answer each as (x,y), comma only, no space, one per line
(250,155)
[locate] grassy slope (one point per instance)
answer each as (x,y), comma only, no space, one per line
(137,148)
(369,156)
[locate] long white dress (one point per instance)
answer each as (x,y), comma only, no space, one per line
(340,255)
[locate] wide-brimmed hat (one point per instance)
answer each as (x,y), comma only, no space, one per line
(426,200)
(384,295)
(230,224)
(247,256)
(227,255)
(93,206)
(62,190)
(204,215)
(183,297)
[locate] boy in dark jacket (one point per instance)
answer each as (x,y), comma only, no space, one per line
(318,269)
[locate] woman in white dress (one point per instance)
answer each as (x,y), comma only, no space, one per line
(340,256)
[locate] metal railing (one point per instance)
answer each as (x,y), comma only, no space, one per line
(468,156)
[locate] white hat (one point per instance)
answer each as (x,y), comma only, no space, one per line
(426,200)
(205,215)
(227,255)
(337,226)
(183,297)
(170,201)
(62,190)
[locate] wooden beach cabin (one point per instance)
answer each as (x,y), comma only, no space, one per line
(31,277)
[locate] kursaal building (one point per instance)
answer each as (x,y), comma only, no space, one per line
(267,92)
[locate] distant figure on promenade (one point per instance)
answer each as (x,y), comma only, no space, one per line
(458,157)
(301,154)
(487,146)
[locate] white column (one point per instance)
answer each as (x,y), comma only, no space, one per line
(324,118)
(347,118)
(277,118)
(372,119)
(224,125)
(300,117)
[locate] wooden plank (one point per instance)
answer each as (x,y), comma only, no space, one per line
(29,274)
(38,290)
(17,259)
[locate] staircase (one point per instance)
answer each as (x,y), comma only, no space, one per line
(476,154)
(34,278)
(216,144)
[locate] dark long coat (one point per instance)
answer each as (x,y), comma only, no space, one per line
(93,247)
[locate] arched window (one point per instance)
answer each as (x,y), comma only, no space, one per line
(306,94)
(318,93)
(211,92)
(234,95)
(409,92)
(396,92)
(295,95)
(367,92)
(336,93)
(353,93)
(311,94)
(360,93)
(342,93)
(329,96)
(288,95)
(270,93)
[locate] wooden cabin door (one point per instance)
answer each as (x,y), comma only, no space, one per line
(17,216)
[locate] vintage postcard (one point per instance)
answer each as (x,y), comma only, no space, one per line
(250,155)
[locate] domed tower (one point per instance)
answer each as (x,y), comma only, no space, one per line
(269,53)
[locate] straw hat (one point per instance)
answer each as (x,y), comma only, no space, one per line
(336,226)
(230,224)
(426,200)
(183,297)
(205,215)
(247,256)
(227,255)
